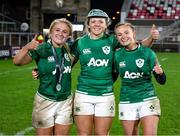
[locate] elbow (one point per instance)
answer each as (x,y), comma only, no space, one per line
(16,62)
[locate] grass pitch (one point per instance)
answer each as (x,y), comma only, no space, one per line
(17,89)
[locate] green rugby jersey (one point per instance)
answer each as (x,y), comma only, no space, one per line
(96,59)
(47,72)
(135,69)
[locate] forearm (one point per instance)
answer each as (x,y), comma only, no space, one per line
(22,57)
(148,41)
(160,78)
(154,35)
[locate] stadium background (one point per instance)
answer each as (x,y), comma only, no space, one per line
(20,20)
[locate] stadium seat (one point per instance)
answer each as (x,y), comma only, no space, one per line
(155,9)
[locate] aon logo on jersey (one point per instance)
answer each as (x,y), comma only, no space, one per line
(133,75)
(67,69)
(98,62)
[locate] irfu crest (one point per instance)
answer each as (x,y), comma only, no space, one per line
(106,49)
(139,62)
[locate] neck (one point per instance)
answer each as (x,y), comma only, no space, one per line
(132,46)
(57,45)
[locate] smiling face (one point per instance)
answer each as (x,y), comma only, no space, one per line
(125,35)
(97,26)
(59,31)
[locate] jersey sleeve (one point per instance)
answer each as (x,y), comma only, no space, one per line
(114,70)
(35,54)
(115,44)
(74,49)
(161,79)
(153,59)
(115,65)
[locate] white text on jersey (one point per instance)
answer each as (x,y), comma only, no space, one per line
(133,75)
(98,62)
(67,69)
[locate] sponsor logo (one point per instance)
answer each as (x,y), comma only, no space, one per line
(87,51)
(106,49)
(122,64)
(66,57)
(67,69)
(152,108)
(139,62)
(4,53)
(51,59)
(77,109)
(112,109)
(98,62)
(133,75)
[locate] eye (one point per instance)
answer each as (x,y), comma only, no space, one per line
(57,30)
(126,32)
(101,21)
(119,34)
(65,31)
(93,21)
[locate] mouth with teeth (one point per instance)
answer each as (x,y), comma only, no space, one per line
(125,41)
(60,38)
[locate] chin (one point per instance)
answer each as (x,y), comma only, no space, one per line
(125,44)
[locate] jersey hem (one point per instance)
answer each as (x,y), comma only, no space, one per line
(143,100)
(86,93)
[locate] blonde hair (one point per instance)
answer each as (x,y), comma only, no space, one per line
(124,24)
(61,20)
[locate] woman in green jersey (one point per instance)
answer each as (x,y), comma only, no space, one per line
(135,65)
(94,104)
(52,112)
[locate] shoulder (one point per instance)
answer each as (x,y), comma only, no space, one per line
(111,40)
(148,52)
(118,51)
(81,39)
(145,49)
(110,37)
(84,37)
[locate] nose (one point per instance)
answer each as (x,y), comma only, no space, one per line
(97,23)
(60,32)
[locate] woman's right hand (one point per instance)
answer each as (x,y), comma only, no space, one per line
(35,74)
(32,45)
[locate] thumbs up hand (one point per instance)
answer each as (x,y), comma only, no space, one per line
(154,33)
(33,44)
(157,69)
